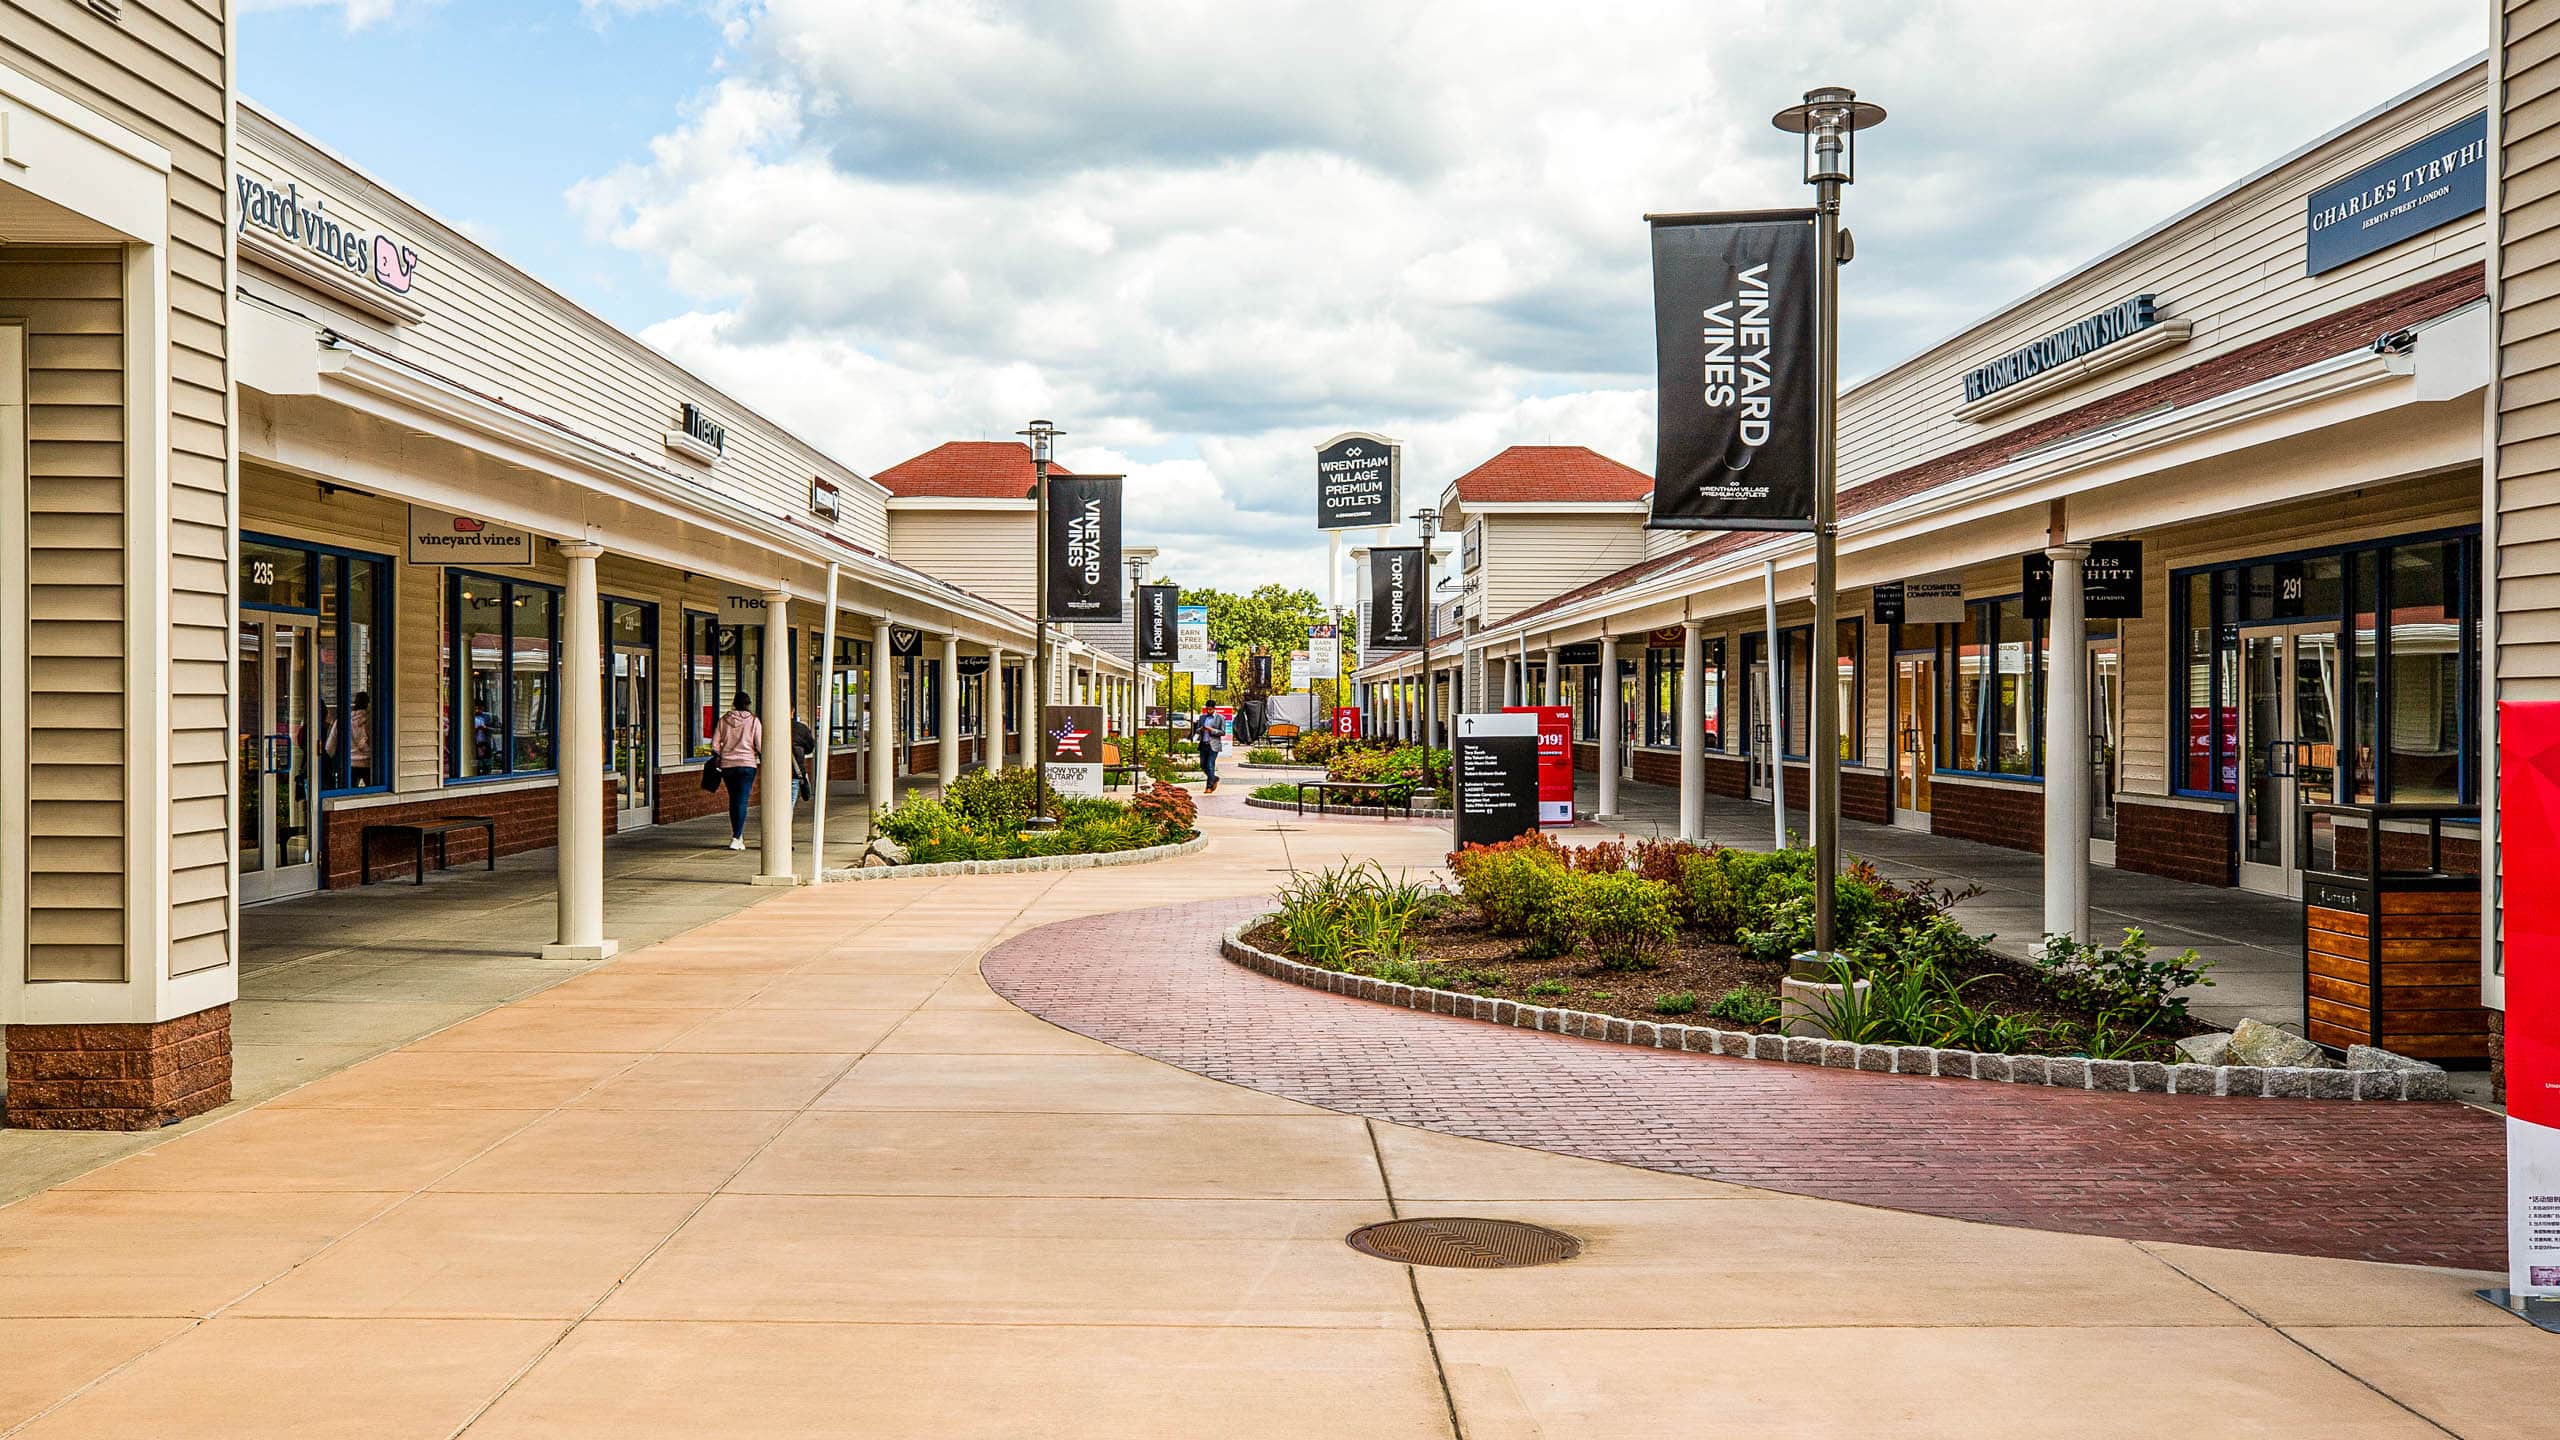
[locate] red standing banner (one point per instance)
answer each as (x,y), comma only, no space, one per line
(1555,760)
(2528,959)
(1346,721)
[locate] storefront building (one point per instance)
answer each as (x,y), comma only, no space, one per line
(2244,511)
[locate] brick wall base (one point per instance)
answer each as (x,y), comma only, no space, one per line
(1990,814)
(2176,842)
(2497,1057)
(118,1077)
(526,819)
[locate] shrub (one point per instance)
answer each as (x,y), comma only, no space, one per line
(2122,977)
(1266,755)
(996,802)
(1602,857)
(1728,891)
(1511,886)
(1355,918)
(1745,1005)
(1317,747)
(1400,769)
(1277,790)
(1626,918)
(1171,809)
(1680,1002)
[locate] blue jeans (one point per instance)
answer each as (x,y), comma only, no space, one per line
(1209,760)
(740,780)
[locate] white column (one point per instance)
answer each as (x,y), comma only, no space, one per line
(582,764)
(2066,751)
(773,773)
(1555,679)
(884,721)
(1767,700)
(1693,731)
(824,724)
(1609,722)
(950,747)
(991,710)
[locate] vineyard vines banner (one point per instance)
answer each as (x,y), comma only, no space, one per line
(1084,547)
(1733,343)
(1159,637)
(1396,609)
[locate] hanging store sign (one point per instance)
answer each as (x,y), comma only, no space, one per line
(1733,346)
(1084,548)
(1933,600)
(904,641)
(974,664)
(1494,776)
(1585,653)
(2407,193)
(1888,603)
(1159,624)
(1396,607)
(2110,582)
(2527,960)
(1324,653)
(1071,749)
(1357,482)
(440,537)
(2081,337)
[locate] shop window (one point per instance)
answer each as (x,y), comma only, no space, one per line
(1711,691)
(1587,703)
(2424,728)
(1848,687)
(2364,676)
(1795,697)
(972,706)
(1662,668)
(502,677)
(719,662)
(347,596)
(848,702)
(1992,674)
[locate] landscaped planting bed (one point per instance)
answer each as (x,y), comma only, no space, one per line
(984,815)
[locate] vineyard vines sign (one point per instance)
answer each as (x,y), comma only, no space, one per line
(283,214)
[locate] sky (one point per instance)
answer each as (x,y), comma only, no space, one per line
(1205,237)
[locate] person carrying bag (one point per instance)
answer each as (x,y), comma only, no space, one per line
(737,746)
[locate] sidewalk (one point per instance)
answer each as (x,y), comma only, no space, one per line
(798,1172)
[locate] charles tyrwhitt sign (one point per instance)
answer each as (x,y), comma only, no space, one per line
(1733,340)
(2441,179)
(1084,547)
(1396,607)
(1357,482)
(1159,633)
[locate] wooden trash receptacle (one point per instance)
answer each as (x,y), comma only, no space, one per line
(2391,939)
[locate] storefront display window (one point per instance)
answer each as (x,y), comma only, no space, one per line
(1662,669)
(847,704)
(1993,677)
(719,662)
(1795,709)
(501,676)
(345,597)
(1848,685)
(2425,733)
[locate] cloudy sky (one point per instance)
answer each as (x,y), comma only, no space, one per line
(1205,236)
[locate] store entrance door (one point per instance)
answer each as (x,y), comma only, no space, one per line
(279,796)
(2106,737)
(2291,704)
(630,705)
(1763,730)
(1916,744)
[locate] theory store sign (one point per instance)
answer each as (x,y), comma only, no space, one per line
(288,216)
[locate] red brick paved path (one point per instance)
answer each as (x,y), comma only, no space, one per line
(2410,1183)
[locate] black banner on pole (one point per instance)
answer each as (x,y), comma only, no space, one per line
(1084,548)
(1159,638)
(1396,603)
(1733,347)
(1258,669)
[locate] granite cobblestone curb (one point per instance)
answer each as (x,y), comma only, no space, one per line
(1018,865)
(1365,812)
(2055,1072)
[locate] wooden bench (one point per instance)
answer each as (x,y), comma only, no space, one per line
(1354,788)
(1116,768)
(418,831)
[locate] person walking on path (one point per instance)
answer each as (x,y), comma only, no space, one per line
(737,742)
(1209,730)
(804,755)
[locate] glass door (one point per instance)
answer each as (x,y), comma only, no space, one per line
(1916,742)
(2106,740)
(2291,704)
(630,696)
(1762,730)
(279,796)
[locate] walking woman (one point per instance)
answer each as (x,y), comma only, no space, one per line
(737,742)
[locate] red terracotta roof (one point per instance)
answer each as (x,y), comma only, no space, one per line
(2333,334)
(1555,474)
(967,469)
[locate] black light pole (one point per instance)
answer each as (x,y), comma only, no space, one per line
(1138,559)
(1829,120)
(1427,521)
(1043,439)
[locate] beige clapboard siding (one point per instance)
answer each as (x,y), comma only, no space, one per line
(2528,561)
(984,551)
(73,534)
(494,329)
(1531,558)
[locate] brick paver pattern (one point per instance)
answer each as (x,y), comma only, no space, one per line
(2419,1184)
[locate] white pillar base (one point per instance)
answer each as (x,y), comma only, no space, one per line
(603,950)
(776,880)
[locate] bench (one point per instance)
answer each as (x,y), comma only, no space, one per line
(1353,788)
(1117,769)
(418,831)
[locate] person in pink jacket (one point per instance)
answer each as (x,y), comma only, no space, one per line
(737,742)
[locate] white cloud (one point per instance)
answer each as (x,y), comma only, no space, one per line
(1204,238)
(357,14)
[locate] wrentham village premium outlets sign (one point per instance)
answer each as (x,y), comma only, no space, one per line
(2407,193)
(1358,481)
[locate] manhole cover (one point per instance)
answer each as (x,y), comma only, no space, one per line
(1464,1244)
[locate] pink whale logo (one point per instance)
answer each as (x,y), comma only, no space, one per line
(393,264)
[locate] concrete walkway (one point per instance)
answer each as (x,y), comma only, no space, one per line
(799,1173)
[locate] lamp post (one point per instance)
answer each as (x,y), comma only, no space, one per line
(1138,556)
(1043,440)
(1829,120)
(1427,521)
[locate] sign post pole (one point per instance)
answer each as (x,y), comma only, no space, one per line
(1043,437)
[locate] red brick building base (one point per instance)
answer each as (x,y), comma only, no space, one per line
(118,1077)
(2007,816)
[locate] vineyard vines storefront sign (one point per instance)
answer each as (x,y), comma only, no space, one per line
(287,216)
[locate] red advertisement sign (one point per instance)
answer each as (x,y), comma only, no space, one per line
(2529,965)
(1346,721)
(1555,760)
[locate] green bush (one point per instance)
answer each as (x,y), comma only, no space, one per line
(1400,770)
(1355,918)
(1277,790)
(1509,886)
(993,801)
(1266,755)
(1316,747)
(1626,918)
(981,819)
(2121,978)
(1745,1005)
(1681,1002)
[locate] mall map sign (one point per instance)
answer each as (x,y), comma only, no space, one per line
(1494,776)
(2407,193)
(1733,345)
(1357,482)
(1071,748)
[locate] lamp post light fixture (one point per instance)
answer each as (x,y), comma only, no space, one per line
(1829,120)
(1426,521)
(1137,556)
(1042,437)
